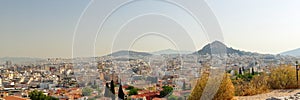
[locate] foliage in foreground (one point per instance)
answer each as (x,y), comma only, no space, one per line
(257,85)
(283,77)
(225,91)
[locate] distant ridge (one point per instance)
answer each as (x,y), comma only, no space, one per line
(216,45)
(295,53)
(20,60)
(219,46)
(171,51)
(129,53)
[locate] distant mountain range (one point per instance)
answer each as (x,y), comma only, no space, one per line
(217,46)
(129,53)
(295,52)
(136,53)
(171,51)
(20,60)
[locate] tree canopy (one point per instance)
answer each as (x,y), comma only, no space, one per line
(121,94)
(166,90)
(38,95)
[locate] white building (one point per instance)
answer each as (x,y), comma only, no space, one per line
(0,81)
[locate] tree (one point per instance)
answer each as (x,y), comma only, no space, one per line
(240,71)
(166,91)
(121,93)
(106,92)
(253,71)
(133,91)
(183,86)
(112,89)
(225,90)
(38,95)
(129,88)
(86,91)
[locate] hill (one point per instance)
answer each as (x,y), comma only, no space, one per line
(20,60)
(295,52)
(219,47)
(129,53)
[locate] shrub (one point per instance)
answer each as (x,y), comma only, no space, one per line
(257,85)
(225,91)
(260,83)
(283,77)
(246,76)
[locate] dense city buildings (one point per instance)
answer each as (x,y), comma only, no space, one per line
(134,77)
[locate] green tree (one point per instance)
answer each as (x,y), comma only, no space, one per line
(133,91)
(112,89)
(166,90)
(129,88)
(240,71)
(183,85)
(121,94)
(38,95)
(106,92)
(252,70)
(86,91)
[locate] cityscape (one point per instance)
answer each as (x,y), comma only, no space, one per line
(134,75)
(149,50)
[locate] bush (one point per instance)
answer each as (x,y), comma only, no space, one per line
(246,76)
(283,77)
(260,83)
(257,85)
(225,91)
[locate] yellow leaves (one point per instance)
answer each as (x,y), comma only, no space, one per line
(283,77)
(225,91)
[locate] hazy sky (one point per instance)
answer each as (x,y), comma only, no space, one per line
(44,28)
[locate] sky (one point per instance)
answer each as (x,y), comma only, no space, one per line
(45,28)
